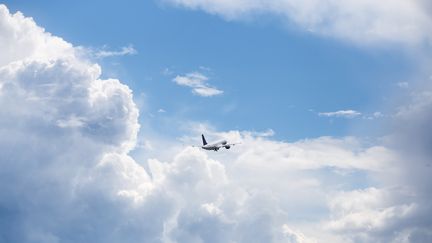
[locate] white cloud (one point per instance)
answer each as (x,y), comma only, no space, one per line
(399,211)
(374,214)
(292,181)
(341,113)
(30,42)
(367,209)
(373,116)
(65,135)
(198,82)
(341,190)
(207,91)
(294,236)
(364,22)
(125,50)
(377,114)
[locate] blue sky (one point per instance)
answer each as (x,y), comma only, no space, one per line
(273,74)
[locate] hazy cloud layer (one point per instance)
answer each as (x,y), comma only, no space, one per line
(66,175)
(365,22)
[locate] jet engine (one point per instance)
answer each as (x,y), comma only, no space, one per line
(227,147)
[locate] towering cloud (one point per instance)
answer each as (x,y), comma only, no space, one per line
(62,131)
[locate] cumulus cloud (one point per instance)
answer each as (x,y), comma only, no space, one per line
(63,130)
(398,211)
(342,190)
(23,39)
(341,113)
(372,214)
(362,22)
(293,181)
(198,82)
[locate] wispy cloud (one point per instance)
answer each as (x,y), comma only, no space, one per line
(341,113)
(403,85)
(124,51)
(198,82)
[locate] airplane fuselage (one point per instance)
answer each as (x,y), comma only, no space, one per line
(216,146)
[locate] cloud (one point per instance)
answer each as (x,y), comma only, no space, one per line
(293,181)
(361,22)
(33,41)
(376,211)
(341,113)
(403,85)
(126,50)
(66,174)
(197,81)
(296,237)
(342,190)
(65,135)
(377,114)
(398,211)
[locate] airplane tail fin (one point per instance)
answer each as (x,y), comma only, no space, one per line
(203,139)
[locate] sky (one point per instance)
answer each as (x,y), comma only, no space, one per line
(274,76)
(100,102)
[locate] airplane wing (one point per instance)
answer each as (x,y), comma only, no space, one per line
(228,144)
(232,144)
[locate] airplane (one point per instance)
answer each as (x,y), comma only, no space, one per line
(216,145)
